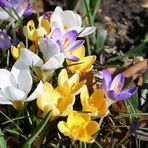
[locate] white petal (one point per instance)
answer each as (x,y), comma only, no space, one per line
(49,48)
(17,67)
(58,9)
(3,98)
(36,92)
(30,58)
(3,14)
(25,81)
(6,79)
(15,93)
(54,62)
(87,31)
(70,18)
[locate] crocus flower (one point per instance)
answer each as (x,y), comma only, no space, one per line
(52,58)
(59,100)
(15,51)
(5,41)
(22,8)
(16,85)
(113,88)
(68,20)
(67,42)
(79,126)
(84,65)
(95,104)
(72,84)
(33,33)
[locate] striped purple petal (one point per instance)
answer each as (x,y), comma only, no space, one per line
(75,45)
(117,83)
(72,58)
(107,77)
(126,94)
(111,94)
(57,34)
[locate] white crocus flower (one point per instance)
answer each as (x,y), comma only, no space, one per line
(16,84)
(52,58)
(68,20)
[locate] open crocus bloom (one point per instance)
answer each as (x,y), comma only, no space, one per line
(113,88)
(34,34)
(72,84)
(59,100)
(16,85)
(84,64)
(79,127)
(68,20)
(52,58)
(95,104)
(67,42)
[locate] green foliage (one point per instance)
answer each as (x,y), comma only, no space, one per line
(2,140)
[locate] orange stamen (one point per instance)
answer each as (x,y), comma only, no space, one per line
(66,27)
(117,87)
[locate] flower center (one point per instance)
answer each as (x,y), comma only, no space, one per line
(24,5)
(2,37)
(18,105)
(66,27)
(117,87)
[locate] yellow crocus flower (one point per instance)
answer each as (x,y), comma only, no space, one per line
(15,51)
(59,100)
(72,84)
(33,33)
(95,104)
(84,64)
(79,127)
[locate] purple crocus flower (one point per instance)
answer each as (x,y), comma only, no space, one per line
(67,42)
(113,88)
(5,41)
(9,3)
(24,8)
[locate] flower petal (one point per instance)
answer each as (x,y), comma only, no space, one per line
(6,79)
(57,34)
(36,92)
(126,94)
(75,45)
(118,83)
(111,94)
(72,58)
(48,47)
(4,99)
(62,77)
(54,62)
(15,94)
(30,58)
(25,81)
(86,31)
(107,78)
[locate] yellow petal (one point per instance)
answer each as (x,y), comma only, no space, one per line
(43,22)
(62,126)
(92,127)
(84,96)
(73,80)
(32,48)
(63,76)
(15,52)
(77,88)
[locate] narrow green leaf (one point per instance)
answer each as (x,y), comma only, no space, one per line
(37,131)
(131,114)
(101,37)
(2,140)
(94,4)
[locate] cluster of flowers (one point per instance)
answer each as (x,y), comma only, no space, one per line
(56,47)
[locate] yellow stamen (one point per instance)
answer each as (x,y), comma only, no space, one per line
(117,87)
(18,105)
(24,5)
(66,27)
(65,41)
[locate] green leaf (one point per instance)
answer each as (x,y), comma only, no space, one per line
(70,4)
(37,131)
(101,37)
(94,5)
(134,100)
(2,140)
(139,50)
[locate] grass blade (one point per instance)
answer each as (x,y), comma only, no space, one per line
(37,131)
(2,140)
